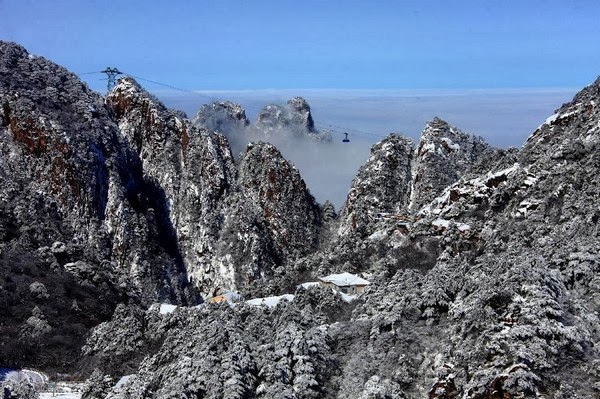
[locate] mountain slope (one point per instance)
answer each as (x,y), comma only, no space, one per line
(506,307)
(71,195)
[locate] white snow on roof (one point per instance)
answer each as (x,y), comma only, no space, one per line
(344,279)
(163,308)
(60,395)
(270,301)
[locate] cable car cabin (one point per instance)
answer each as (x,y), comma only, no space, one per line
(346,139)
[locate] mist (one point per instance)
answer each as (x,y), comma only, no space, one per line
(503,117)
(326,167)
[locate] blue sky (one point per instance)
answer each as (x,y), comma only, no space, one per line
(317,44)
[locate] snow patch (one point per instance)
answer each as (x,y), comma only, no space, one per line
(345,297)
(549,120)
(553,118)
(429,147)
(124,380)
(270,301)
(34,377)
(451,144)
(444,224)
(163,308)
(530,180)
(525,207)
(377,236)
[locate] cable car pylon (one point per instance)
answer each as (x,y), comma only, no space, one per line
(111,73)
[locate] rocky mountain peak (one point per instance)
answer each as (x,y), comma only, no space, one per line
(273,181)
(222,116)
(277,196)
(292,118)
(300,105)
(382,184)
(443,155)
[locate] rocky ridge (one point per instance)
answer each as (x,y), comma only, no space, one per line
(193,168)
(399,178)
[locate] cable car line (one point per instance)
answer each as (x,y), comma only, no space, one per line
(327,126)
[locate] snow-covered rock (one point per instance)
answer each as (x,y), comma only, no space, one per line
(444,154)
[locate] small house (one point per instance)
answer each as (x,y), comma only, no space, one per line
(346,283)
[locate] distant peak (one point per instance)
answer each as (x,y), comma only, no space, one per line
(438,122)
(299,103)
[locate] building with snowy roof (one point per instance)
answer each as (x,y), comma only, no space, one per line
(347,283)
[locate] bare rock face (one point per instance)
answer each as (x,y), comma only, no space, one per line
(76,213)
(192,167)
(273,185)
